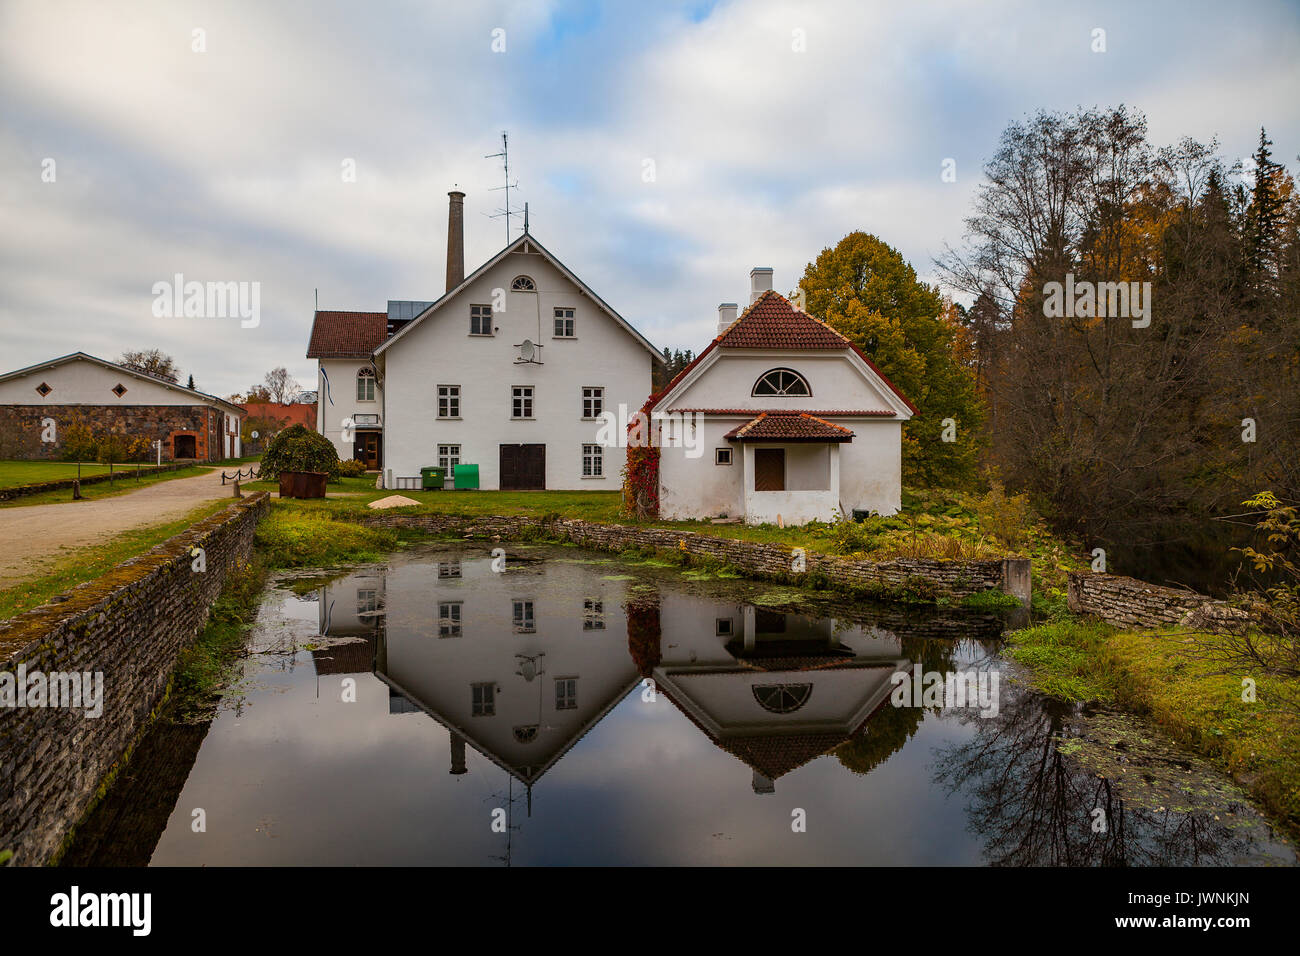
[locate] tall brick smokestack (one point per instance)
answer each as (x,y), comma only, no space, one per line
(455,239)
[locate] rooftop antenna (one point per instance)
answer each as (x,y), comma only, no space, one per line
(525,219)
(504,156)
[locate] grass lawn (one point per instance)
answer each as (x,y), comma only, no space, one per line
(86,564)
(14,473)
(932,524)
(105,489)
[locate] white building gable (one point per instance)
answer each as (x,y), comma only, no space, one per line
(790,423)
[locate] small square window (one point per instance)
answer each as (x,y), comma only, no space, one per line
(43,390)
(566,693)
(480,320)
(447,570)
(564,327)
(119,389)
(722,456)
(449,619)
(523,616)
(449,401)
(723,627)
(483,700)
(521,401)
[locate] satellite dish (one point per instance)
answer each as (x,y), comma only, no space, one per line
(255,435)
(528,670)
(527,351)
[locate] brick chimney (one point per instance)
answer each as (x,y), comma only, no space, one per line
(726,315)
(456,239)
(760,281)
(458,754)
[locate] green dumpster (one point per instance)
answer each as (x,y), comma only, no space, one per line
(465,476)
(431,478)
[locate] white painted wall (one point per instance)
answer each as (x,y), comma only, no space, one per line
(870,469)
(440,351)
(78,382)
(343,389)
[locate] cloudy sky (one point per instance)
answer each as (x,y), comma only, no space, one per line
(771,128)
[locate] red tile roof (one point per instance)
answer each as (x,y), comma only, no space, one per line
(840,413)
(789,426)
(347,334)
(773,323)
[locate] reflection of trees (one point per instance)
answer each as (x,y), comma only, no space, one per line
(643,632)
(884,735)
(1034,805)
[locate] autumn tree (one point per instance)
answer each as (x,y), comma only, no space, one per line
(281,386)
(152,362)
(866,290)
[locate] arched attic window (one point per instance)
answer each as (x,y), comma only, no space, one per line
(782,698)
(366,385)
(523,284)
(781,381)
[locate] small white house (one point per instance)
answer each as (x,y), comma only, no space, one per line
(781,419)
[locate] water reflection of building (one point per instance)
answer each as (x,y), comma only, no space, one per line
(774,689)
(350,608)
(517,665)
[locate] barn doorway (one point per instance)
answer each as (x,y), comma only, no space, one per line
(183,446)
(523,467)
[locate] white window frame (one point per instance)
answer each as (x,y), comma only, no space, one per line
(486,704)
(593,401)
(566,693)
(780,370)
(449,619)
(524,616)
(719,452)
(593,461)
(449,401)
(449,459)
(566,324)
(522,401)
(593,614)
(366,375)
(523,283)
(478,312)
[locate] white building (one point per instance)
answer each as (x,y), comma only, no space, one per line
(40,402)
(348,412)
(792,422)
(510,370)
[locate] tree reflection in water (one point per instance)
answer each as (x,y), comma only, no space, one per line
(1035,806)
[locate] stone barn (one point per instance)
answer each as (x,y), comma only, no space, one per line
(38,405)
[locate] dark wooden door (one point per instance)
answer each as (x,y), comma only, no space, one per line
(365,449)
(769,469)
(523,467)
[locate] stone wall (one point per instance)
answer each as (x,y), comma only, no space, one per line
(20,427)
(123,472)
(920,577)
(131,625)
(1128,602)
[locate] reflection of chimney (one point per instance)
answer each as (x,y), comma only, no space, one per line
(762,784)
(726,315)
(455,239)
(760,281)
(458,754)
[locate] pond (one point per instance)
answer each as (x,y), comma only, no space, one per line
(470,704)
